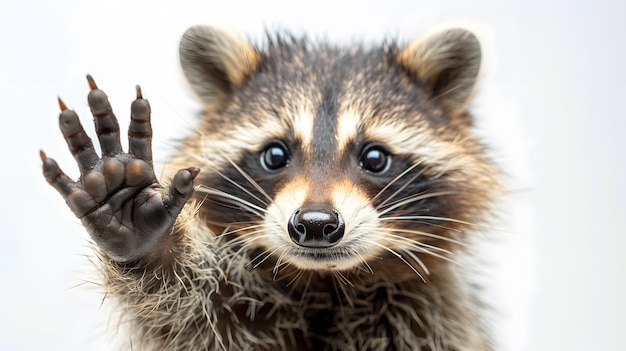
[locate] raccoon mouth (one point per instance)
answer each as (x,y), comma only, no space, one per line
(334,258)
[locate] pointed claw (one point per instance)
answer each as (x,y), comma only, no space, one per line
(92,83)
(62,105)
(43,156)
(139,94)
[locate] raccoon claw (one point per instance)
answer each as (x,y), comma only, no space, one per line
(91,82)
(117,197)
(62,105)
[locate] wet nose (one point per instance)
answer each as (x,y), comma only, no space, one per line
(316,226)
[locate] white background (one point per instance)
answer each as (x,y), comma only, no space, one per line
(551,102)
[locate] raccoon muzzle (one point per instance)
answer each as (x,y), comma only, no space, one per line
(316,225)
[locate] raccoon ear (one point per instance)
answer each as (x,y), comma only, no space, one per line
(447,63)
(214,60)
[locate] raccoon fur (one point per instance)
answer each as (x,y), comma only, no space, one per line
(321,203)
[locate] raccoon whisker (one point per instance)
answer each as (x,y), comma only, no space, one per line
(421,263)
(238,227)
(401,212)
(430,250)
(455,230)
(416,246)
(252,182)
(245,230)
(424,234)
(341,287)
(267,253)
(416,198)
(404,198)
(246,239)
(422,249)
(296,277)
(436,218)
(236,200)
(408,246)
(227,204)
(255,226)
(419,247)
(454,220)
(239,244)
(424,220)
(393,181)
(230,180)
(407,183)
(367,268)
(342,278)
(409,241)
(235,205)
(427,248)
(344,282)
(279,263)
(427,185)
(243,242)
(399,256)
(201,158)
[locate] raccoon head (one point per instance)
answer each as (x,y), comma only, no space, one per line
(330,158)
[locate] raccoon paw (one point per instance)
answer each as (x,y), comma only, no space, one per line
(127,212)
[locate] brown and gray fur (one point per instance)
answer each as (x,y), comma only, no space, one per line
(227,276)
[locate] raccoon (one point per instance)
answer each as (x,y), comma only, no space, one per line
(321,203)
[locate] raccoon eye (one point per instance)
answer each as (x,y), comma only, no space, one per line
(375,158)
(274,156)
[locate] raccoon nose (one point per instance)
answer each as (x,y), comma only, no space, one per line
(316,226)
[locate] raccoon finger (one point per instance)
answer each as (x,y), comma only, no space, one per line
(77,140)
(55,176)
(140,129)
(107,128)
(180,189)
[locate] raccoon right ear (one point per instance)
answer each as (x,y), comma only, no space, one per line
(447,63)
(214,60)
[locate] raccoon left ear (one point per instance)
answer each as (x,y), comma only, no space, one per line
(447,63)
(214,60)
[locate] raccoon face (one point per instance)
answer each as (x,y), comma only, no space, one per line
(325,158)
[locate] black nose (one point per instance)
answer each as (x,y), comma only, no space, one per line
(316,226)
